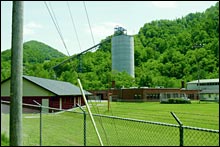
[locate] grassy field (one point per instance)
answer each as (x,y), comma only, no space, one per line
(66,129)
(203,114)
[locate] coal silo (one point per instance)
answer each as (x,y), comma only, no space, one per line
(123,51)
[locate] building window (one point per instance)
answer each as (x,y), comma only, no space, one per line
(175,95)
(151,96)
(191,96)
(156,96)
(137,96)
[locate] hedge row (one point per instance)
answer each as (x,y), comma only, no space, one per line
(176,101)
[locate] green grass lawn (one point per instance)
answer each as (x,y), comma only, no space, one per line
(203,114)
(66,129)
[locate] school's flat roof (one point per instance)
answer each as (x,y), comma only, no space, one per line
(204,81)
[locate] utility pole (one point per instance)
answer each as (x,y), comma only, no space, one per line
(198,79)
(108,101)
(16,75)
(198,70)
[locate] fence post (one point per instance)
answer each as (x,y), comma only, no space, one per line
(181,128)
(40,121)
(84,116)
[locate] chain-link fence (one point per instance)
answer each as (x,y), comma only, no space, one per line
(54,127)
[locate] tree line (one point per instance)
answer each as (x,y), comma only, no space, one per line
(166,53)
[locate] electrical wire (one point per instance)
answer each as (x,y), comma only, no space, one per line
(80,57)
(59,30)
(100,120)
(115,125)
(89,22)
(74,25)
(52,15)
(109,79)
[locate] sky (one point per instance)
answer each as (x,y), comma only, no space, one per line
(103,17)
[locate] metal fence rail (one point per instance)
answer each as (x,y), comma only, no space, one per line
(149,133)
(74,128)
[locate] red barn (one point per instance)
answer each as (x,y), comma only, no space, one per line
(47,92)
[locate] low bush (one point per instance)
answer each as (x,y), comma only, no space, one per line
(176,101)
(4,140)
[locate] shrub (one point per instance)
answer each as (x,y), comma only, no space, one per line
(4,140)
(176,101)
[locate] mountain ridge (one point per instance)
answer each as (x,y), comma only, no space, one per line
(166,53)
(31,51)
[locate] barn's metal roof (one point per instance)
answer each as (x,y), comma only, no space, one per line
(204,81)
(57,87)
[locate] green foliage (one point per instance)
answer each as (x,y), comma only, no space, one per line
(166,52)
(4,140)
(34,52)
(176,101)
(123,79)
(38,58)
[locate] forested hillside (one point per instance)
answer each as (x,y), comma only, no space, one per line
(166,52)
(35,54)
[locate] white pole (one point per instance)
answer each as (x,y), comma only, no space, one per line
(90,114)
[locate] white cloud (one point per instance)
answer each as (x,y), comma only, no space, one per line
(31,27)
(165,4)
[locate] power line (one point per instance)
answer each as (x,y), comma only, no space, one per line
(94,44)
(89,22)
(59,29)
(74,25)
(100,120)
(55,20)
(52,15)
(83,52)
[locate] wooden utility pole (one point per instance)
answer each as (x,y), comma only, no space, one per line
(108,100)
(16,75)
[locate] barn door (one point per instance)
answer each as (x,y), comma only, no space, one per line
(45,103)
